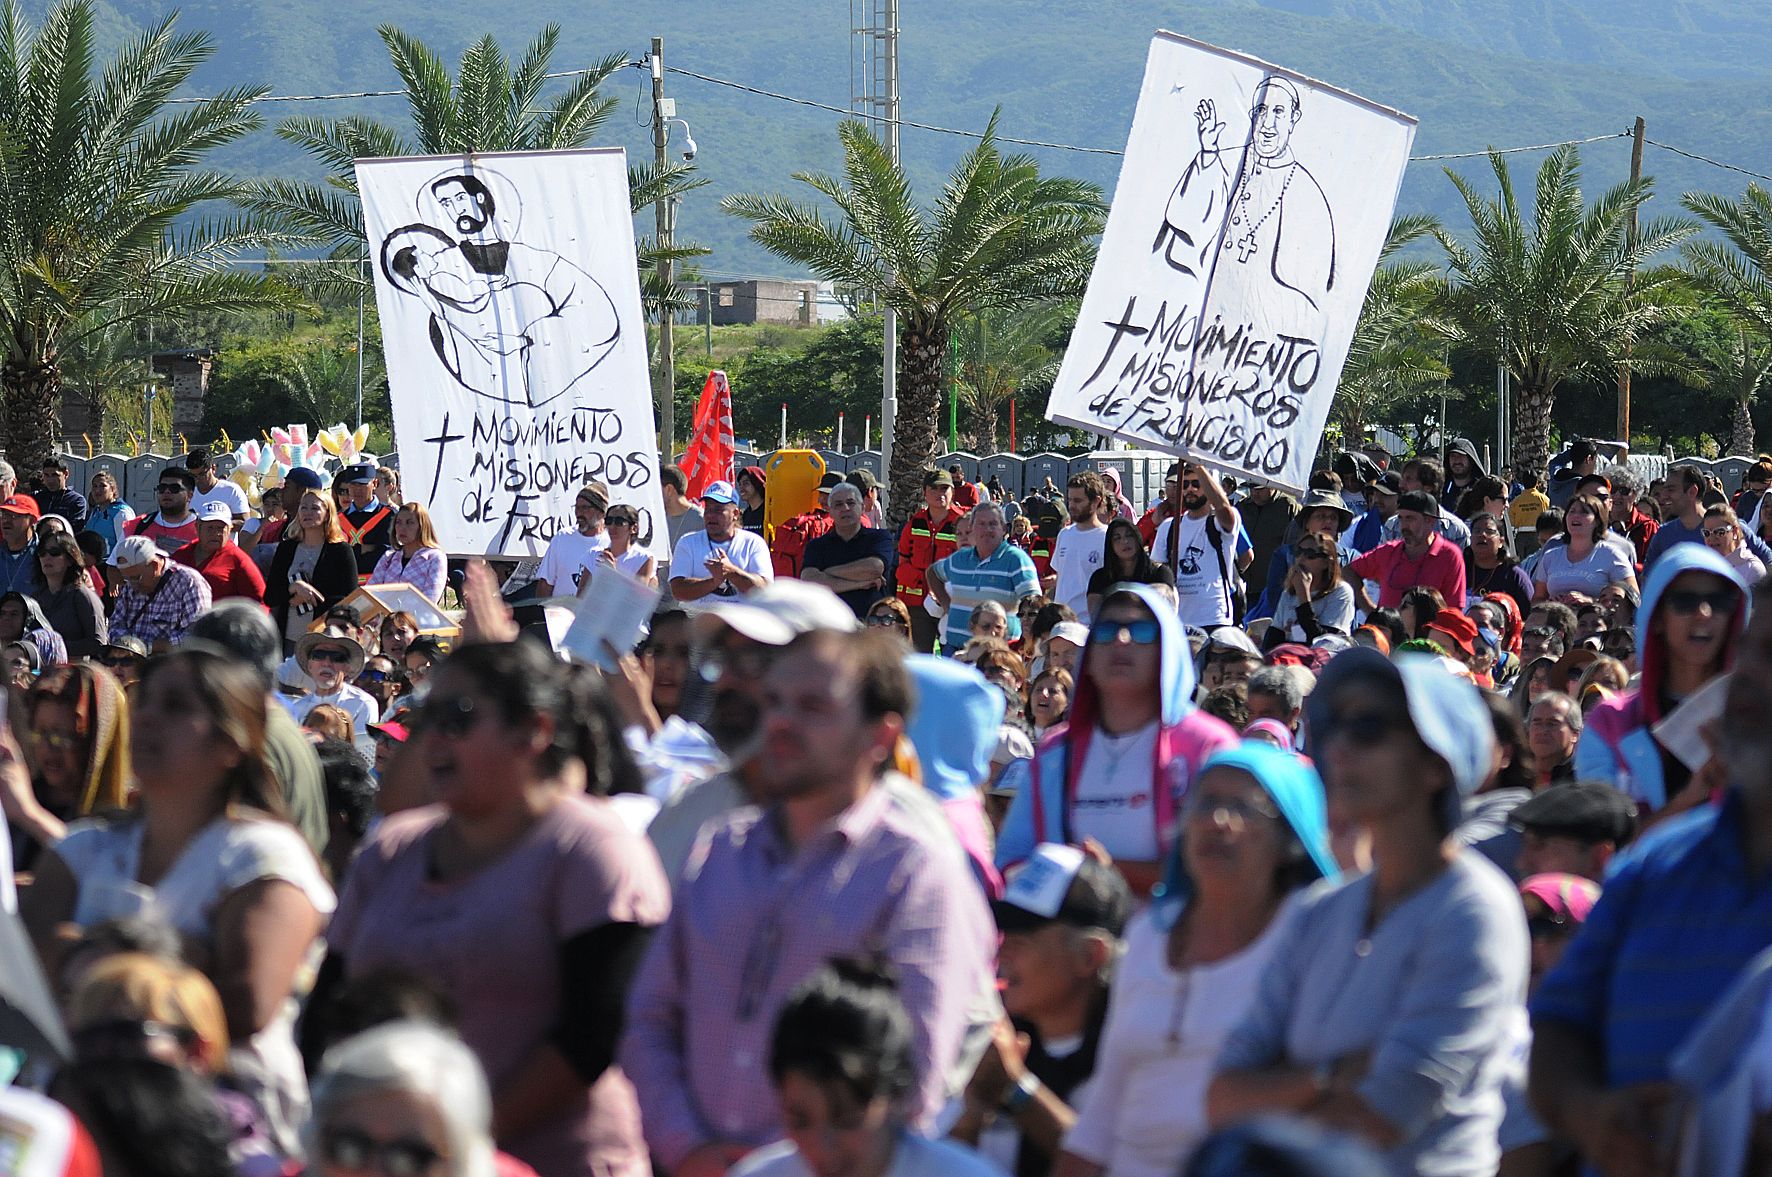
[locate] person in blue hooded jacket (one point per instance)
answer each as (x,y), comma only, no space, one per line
(1390,1004)
(1253,834)
(1117,772)
(1695,607)
(954,728)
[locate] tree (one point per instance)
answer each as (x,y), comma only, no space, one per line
(485,106)
(1003,357)
(1397,349)
(1736,273)
(107,223)
(1000,236)
(1553,299)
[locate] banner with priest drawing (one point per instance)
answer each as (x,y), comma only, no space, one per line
(515,340)
(1251,207)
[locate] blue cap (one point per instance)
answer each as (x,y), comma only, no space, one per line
(303,477)
(360,472)
(720,492)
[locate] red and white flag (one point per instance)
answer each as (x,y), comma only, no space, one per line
(711,450)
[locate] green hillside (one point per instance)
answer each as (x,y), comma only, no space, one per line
(1476,73)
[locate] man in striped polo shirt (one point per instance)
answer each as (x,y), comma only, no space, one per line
(989,570)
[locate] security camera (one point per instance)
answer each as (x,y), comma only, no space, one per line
(688,149)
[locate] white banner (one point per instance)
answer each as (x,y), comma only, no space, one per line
(1251,206)
(515,340)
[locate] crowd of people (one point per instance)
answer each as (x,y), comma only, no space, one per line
(1416,824)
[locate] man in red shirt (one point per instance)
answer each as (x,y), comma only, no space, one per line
(172,524)
(1422,556)
(229,570)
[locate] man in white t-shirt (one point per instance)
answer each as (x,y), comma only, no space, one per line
(211,489)
(570,553)
(723,559)
(1200,547)
(1080,546)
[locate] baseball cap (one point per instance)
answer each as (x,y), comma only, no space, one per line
(863,478)
(304,477)
(21,505)
(1570,897)
(1460,630)
(720,492)
(1590,811)
(1229,637)
(781,611)
(937,478)
(393,730)
(1063,884)
(1389,483)
(214,510)
(1420,502)
(129,644)
(362,472)
(133,552)
(831,479)
(1074,632)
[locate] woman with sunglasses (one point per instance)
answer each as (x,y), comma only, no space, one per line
(1253,833)
(207,849)
(415,557)
(76,735)
(1722,535)
(1694,609)
(1134,743)
(1316,600)
(890,613)
(1390,1004)
(406,1097)
(66,596)
(508,739)
(627,547)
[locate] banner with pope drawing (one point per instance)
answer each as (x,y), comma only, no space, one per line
(1250,211)
(515,341)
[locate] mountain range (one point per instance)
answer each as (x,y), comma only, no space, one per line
(1477,73)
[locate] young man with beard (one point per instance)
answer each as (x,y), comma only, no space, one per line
(1424,474)
(172,524)
(1081,544)
(830,864)
(1421,555)
(1200,547)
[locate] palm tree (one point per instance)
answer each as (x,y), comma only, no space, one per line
(485,106)
(1398,345)
(1553,299)
(105,197)
(1003,357)
(1000,236)
(1736,274)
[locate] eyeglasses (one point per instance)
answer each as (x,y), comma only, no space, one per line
(328,654)
(170,488)
(1143,632)
(1717,532)
(350,1149)
(1685,602)
(449,717)
(58,741)
(374,676)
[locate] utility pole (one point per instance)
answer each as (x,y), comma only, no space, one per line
(889,355)
(1636,174)
(662,109)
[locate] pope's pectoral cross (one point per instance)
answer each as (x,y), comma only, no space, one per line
(1246,246)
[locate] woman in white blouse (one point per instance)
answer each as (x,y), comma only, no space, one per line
(205,850)
(416,558)
(1254,832)
(626,549)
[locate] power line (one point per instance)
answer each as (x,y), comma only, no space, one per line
(1715,163)
(565,73)
(1529,147)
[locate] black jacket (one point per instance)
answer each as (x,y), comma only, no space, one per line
(335,575)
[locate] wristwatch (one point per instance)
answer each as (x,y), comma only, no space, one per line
(1019,1096)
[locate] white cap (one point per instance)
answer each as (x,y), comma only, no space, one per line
(133,552)
(782,610)
(1074,632)
(214,510)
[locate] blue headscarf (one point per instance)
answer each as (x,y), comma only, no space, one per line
(1296,790)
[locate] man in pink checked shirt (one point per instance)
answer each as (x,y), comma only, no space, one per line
(834,862)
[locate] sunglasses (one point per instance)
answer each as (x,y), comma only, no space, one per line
(327,654)
(1242,809)
(373,676)
(1143,632)
(882,620)
(57,741)
(619,521)
(169,488)
(350,1149)
(1685,602)
(1717,532)
(116,660)
(1548,927)
(449,717)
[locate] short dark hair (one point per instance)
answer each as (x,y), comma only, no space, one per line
(179,474)
(1090,483)
(1690,477)
(243,631)
(54,462)
(1428,472)
(672,475)
(350,788)
(1549,519)
(473,186)
(198,460)
(845,1025)
(427,646)
(877,661)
